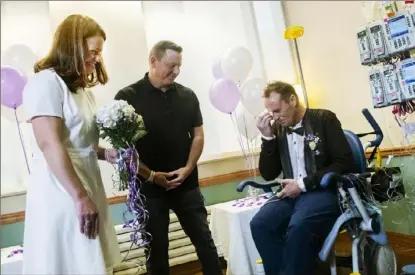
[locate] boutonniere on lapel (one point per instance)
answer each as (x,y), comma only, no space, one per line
(313,142)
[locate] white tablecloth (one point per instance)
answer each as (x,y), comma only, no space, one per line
(11,260)
(229,223)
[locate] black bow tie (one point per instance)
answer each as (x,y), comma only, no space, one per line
(298,131)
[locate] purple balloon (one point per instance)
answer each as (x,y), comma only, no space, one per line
(217,69)
(224,95)
(12,85)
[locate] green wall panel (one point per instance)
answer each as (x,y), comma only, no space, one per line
(398,216)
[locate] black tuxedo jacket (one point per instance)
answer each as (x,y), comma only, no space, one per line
(325,150)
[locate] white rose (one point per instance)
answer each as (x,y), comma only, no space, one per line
(312,145)
(128,111)
(109,123)
(114,115)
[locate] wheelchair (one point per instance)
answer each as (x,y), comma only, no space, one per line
(371,252)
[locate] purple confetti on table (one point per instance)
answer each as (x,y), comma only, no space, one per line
(14,252)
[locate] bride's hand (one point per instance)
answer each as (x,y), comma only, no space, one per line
(88,217)
(112,155)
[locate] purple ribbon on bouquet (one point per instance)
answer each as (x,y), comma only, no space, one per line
(135,200)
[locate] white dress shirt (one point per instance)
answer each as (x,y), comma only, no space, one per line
(296,151)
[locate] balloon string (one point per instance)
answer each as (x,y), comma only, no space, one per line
(239,136)
(251,149)
(250,154)
(21,140)
(248,157)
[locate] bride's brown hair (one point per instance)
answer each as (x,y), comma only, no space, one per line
(68,51)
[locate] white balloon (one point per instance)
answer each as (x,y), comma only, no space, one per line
(20,57)
(236,64)
(252,91)
(246,124)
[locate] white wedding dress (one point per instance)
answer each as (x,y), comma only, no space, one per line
(53,243)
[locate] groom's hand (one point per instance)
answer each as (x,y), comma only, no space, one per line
(178,176)
(290,189)
(162,179)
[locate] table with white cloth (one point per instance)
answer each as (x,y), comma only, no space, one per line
(229,223)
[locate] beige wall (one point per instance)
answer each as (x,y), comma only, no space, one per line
(334,78)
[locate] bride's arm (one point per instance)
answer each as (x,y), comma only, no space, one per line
(101,152)
(110,155)
(47,131)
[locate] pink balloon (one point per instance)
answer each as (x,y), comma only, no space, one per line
(217,69)
(224,95)
(12,85)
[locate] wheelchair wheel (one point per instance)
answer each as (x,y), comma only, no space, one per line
(378,259)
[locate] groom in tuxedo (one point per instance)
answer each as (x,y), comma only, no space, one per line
(304,144)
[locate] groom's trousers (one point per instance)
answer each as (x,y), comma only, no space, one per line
(192,215)
(288,233)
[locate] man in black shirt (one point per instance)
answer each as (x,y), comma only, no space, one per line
(168,158)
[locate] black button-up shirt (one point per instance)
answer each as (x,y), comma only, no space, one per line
(169,118)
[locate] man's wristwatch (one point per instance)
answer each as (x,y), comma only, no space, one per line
(151,177)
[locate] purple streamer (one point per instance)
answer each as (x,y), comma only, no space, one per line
(21,140)
(135,201)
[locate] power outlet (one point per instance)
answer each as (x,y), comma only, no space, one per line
(409,128)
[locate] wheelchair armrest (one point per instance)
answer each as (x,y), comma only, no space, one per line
(264,186)
(331,177)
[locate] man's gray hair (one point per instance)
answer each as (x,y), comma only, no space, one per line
(160,48)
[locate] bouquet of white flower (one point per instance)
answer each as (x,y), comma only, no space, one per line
(122,127)
(119,123)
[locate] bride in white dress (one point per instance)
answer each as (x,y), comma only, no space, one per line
(68,229)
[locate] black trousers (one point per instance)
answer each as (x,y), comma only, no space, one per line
(191,212)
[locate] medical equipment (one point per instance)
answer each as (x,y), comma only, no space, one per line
(363,39)
(386,45)
(378,40)
(391,85)
(390,7)
(406,75)
(377,88)
(400,32)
